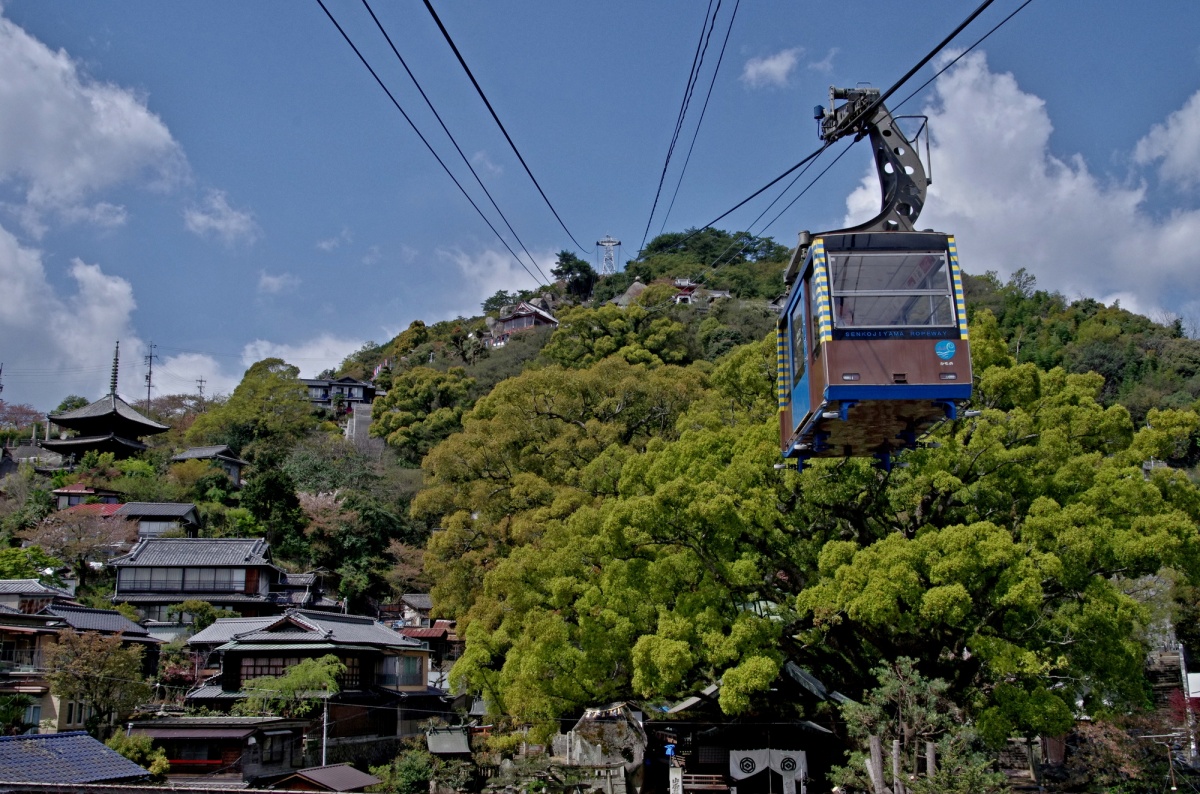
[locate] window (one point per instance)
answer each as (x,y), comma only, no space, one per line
(412,671)
(352,678)
(214,580)
(259,666)
(908,289)
(70,720)
(798,351)
(272,749)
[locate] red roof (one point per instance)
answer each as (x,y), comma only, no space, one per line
(448,625)
(97,509)
(422,633)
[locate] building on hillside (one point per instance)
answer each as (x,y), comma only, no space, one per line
(383,691)
(525,316)
(249,749)
(229,573)
(691,293)
(43,460)
(79,494)
(155,519)
(108,425)
(334,777)
(24,641)
(443,640)
(630,295)
(219,455)
(64,759)
(338,394)
(30,596)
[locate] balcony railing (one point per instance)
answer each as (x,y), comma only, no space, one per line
(20,660)
(394,681)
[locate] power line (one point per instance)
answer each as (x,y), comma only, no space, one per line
(867,110)
(457,148)
(710,19)
(449,173)
(703,110)
(496,118)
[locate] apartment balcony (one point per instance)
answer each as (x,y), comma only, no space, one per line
(21,660)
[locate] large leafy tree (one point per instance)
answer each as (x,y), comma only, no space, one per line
(296,693)
(80,538)
(267,412)
(587,564)
(578,274)
(585,336)
(100,671)
(422,408)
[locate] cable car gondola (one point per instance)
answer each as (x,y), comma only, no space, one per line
(872,342)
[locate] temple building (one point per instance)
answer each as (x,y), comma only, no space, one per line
(108,425)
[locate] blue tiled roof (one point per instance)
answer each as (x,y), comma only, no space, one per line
(71,757)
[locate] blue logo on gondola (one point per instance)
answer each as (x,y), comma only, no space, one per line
(944,349)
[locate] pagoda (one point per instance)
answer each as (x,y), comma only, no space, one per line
(108,425)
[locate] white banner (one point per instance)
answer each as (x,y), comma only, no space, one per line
(745,763)
(791,764)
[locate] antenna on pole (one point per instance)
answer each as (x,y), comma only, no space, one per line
(149,373)
(610,262)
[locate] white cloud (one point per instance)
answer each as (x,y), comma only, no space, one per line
(1012,203)
(64,135)
(331,243)
(771,70)
(486,273)
(215,217)
(825,65)
(66,337)
(1175,144)
(372,256)
(179,374)
(273,285)
(484,163)
(313,356)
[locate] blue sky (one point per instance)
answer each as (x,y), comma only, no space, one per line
(227,181)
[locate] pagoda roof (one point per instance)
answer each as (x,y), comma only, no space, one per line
(110,442)
(108,415)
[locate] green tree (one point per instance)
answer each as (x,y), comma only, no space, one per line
(578,275)
(70,403)
(80,539)
(203,614)
(270,497)
(100,671)
(30,562)
(407,773)
(423,407)
(141,750)
(13,709)
(267,412)
(296,693)
(498,301)
(585,336)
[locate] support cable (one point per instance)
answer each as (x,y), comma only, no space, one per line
(424,141)
(496,118)
(457,148)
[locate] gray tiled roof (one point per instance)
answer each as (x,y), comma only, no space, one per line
(108,621)
(418,600)
(63,758)
(174,552)
(110,404)
(155,510)
(223,629)
(300,626)
(221,451)
(29,587)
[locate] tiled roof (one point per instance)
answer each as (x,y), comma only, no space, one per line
(29,587)
(418,600)
(174,552)
(71,757)
(300,626)
(156,509)
(106,406)
(98,508)
(107,621)
(423,633)
(216,451)
(299,579)
(335,777)
(223,629)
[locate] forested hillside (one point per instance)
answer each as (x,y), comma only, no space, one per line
(598,505)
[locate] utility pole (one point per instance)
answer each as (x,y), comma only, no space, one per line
(1,377)
(149,373)
(200,388)
(610,262)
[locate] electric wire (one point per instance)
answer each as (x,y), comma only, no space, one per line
(703,110)
(449,173)
(710,18)
(866,112)
(449,135)
(478,89)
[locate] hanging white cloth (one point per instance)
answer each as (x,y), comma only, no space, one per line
(746,763)
(789,763)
